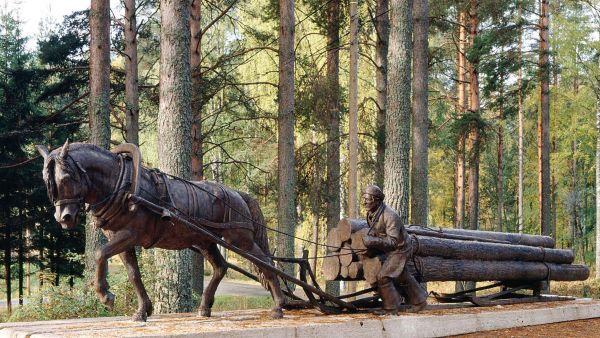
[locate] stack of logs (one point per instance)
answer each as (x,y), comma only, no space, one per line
(442,254)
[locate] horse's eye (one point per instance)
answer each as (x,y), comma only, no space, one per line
(64,178)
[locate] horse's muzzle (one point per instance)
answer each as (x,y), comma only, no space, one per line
(68,217)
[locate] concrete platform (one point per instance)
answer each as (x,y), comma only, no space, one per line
(435,321)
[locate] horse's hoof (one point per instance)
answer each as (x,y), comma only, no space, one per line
(277,313)
(204,312)
(109,301)
(139,316)
(149,309)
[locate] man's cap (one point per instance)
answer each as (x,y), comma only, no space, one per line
(374,191)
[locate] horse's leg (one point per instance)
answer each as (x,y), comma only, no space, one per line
(273,282)
(144,310)
(219,265)
(120,241)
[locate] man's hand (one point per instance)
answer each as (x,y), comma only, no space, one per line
(383,244)
(371,241)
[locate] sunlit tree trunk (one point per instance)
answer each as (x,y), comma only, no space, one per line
(353,113)
(544,124)
(459,167)
(99,109)
(520,117)
(473,142)
(197,155)
(333,135)
(382,23)
(420,138)
(173,282)
(286,207)
(397,139)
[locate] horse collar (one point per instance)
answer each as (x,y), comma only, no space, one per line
(111,205)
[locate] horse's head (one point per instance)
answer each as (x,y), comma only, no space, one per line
(67,184)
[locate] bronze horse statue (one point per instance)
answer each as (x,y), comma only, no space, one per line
(81,174)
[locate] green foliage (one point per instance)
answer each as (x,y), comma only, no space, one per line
(60,303)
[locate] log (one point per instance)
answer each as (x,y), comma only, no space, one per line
(343,272)
(355,271)
(450,248)
(331,267)
(356,241)
(443,269)
(347,226)
(371,267)
(346,255)
(521,239)
(334,243)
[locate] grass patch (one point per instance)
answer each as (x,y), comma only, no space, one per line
(228,303)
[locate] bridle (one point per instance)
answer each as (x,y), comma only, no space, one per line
(80,172)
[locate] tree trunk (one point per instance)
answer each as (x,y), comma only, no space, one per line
(350,287)
(382,23)
(21,256)
(397,139)
(500,177)
(132,106)
(99,110)
(173,283)
(473,146)
(353,113)
(573,200)
(597,159)
(520,116)
(286,208)
(459,168)
(333,135)
(197,156)
(544,124)
(315,202)
(420,139)
(7,262)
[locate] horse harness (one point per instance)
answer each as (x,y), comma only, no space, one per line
(121,199)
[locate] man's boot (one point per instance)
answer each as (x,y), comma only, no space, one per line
(389,296)
(416,295)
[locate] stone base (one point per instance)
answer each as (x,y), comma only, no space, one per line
(436,320)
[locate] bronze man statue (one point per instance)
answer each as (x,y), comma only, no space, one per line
(388,236)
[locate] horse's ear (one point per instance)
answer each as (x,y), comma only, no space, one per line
(64,151)
(43,150)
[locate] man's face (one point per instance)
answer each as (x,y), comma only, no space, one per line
(370,203)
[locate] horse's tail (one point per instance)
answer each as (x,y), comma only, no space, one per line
(260,231)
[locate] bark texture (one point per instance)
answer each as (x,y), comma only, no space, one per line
(420,132)
(382,28)
(520,116)
(544,124)
(333,134)
(353,113)
(173,283)
(197,155)
(397,140)
(132,106)
(286,208)
(99,108)
(459,168)
(473,143)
